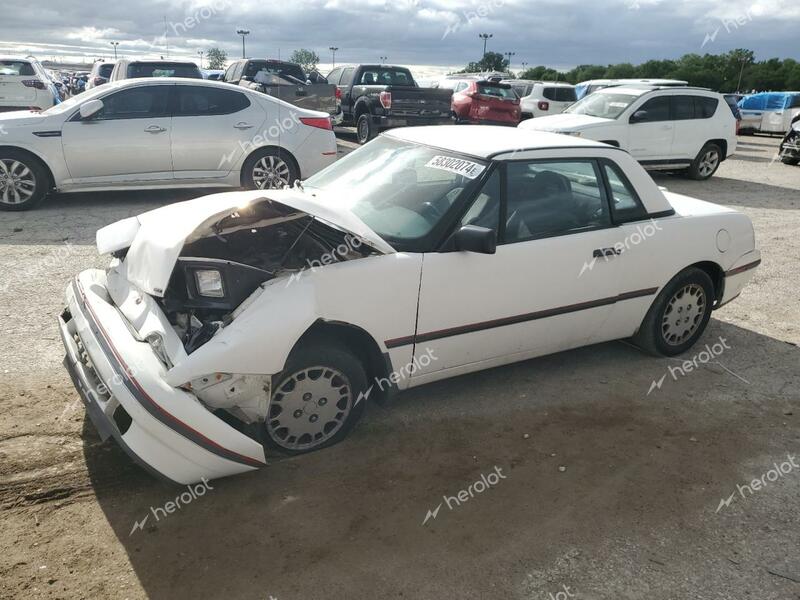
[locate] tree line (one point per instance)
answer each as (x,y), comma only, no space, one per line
(721,72)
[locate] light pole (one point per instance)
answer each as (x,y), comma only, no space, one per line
(243,33)
(508,56)
(485,37)
(115,44)
(524,66)
(200,54)
(741,72)
(333,50)
(384,59)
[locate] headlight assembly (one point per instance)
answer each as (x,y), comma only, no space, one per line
(209,283)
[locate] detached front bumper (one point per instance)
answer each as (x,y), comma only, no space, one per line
(166,430)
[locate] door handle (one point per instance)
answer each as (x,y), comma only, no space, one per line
(606,252)
(154,129)
(243,125)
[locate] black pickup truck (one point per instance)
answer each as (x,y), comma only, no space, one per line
(376,97)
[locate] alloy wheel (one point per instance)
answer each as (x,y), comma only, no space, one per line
(271,172)
(708,163)
(17,182)
(309,408)
(684,314)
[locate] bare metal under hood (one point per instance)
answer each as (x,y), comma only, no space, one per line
(155,239)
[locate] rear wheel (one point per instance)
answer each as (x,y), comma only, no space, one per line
(24,181)
(271,168)
(789,160)
(706,162)
(365,129)
(679,314)
(317,400)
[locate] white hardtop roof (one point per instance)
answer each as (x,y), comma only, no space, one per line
(486,141)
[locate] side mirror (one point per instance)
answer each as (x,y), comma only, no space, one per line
(638,116)
(472,238)
(90,109)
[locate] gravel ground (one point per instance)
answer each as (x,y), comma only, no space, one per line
(603,491)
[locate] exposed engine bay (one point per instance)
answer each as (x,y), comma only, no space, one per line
(227,260)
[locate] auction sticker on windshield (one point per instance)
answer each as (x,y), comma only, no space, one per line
(458,166)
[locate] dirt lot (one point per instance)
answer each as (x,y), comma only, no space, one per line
(606,491)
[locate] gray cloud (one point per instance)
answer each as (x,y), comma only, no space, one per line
(560,33)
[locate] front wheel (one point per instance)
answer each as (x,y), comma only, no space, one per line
(679,314)
(706,162)
(23,181)
(269,169)
(318,399)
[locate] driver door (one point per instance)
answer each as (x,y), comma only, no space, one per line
(651,139)
(541,292)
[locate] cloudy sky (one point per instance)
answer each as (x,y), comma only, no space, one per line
(428,33)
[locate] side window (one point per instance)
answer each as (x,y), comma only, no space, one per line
(194,100)
(461,86)
(237,71)
(704,108)
(547,198)
(625,203)
(141,102)
(683,108)
(229,72)
(485,210)
(333,76)
(657,110)
(347,76)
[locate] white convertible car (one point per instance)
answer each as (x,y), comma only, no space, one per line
(245,323)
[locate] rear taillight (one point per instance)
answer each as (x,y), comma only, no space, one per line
(99,80)
(34,83)
(544,105)
(386,99)
(338,94)
(318,122)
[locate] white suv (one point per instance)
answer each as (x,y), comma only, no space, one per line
(543,98)
(24,85)
(663,128)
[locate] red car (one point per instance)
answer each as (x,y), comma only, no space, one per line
(485,102)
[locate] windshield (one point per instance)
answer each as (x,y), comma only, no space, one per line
(606,106)
(401,190)
(385,76)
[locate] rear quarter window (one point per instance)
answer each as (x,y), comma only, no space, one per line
(16,68)
(704,108)
(560,94)
(496,91)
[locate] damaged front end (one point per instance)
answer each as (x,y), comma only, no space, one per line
(137,336)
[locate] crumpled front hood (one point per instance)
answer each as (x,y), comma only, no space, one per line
(564,122)
(155,238)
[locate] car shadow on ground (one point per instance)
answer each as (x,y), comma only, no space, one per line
(589,445)
(734,192)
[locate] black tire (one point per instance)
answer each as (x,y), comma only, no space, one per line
(27,171)
(283,165)
(652,336)
(790,160)
(365,129)
(706,162)
(329,361)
